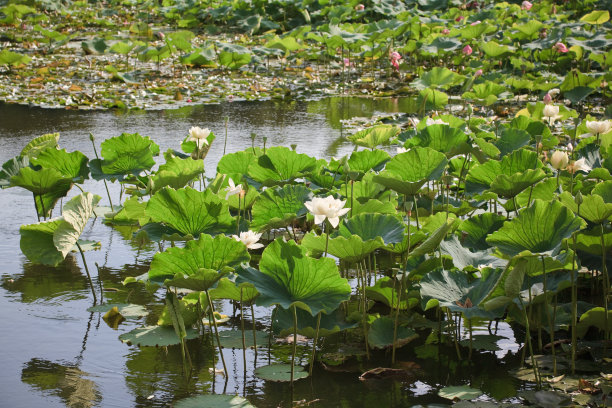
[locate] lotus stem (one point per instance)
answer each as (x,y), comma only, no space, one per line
(100,283)
(91,285)
(469,322)
(294,344)
(314,343)
(225,142)
(534,364)
(574,305)
(395,323)
(244,362)
(416,212)
(551,323)
(238,219)
(91,137)
(606,282)
(214,322)
(352,188)
(254,331)
(36,207)
(364,303)
(327,226)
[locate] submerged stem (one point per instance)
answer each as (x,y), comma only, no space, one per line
(314,343)
(214,322)
(93,289)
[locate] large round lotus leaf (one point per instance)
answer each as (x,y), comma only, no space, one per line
(282,325)
(372,226)
(455,291)
(380,334)
(75,214)
(484,93)
(365,160)
(511,140)
(233,338)
(374,206)
(432,242)
(459,392)
(477,228)
(595,317)
(37,242)
(227,289)
(539,229)
(278,207)
(72,165)
(176,173)
(438,77)
(189,211)
(351,249)
(510,186)
(204,253)
(374,136)
(126,309)
(280,372)
(213,401)
(407,172)
(155,336)
(442,138)
(43,181)
(201,280)
(127,144)
(605,190)
(39,144)
(463,257)
(123,155)
(280,165)
(289,278)
(11,168)
(362,190)
(238,162)
(385,291)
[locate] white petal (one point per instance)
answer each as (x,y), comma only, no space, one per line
(334,221)
(319,218)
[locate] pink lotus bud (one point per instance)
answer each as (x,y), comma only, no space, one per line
(547,98)
(478,73)
(560,47)
(359,7)
(459,18)
(475,23)
(526,5)
(445,31)
(467,50)
(395,56)
(395,64)
(347,62)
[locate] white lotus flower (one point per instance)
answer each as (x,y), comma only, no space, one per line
(579,165)
(249,238)
(551,113)
(598,127)
(401,150)
(327,207)
(198,135)
(233,189)
(559,160)
(431,121)
(536,289)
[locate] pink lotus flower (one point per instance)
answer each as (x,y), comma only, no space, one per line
(478,73)
(560,47)
(459,18)
(395,56)
(526,5)
(359,7)
(445,31)
(547,98)
(347,62)
(475,23)
(467,50)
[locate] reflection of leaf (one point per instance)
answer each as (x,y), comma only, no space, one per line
(213,401)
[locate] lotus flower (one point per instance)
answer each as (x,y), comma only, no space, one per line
(249,238)
(547,98)
(233,189)
(559,160)
(359,7)
(475,23)
(579,165)
(526,5)
(598,127)
(560,47)
(431,121)
(467,50)
(478,73)
(198,135)
(327,207)
(551,112)
(401,150)
(445,31)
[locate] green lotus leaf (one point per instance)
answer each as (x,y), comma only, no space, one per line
(350,249)
(280,372)
(596,17)
(11,168)
(127,310)
(589,241)
(477,228)
(455,291)
(495,50)
(72,165)
(132,213)
(189,211)
(433,240)
(529,28)
(374,136)
(487,148)
(8,57)
(407,172)
(365,160)
(280,165)
(363,190)
(595,317)
(484,93)
(438,77)
(233,60)
(373,206)
(155,336)
(462,257)
(372,226)
(39,144)
(201,280)
(204,253)
(539,229)
(129,153)
(443,138)
(545,190)
(441,43)
(43,181)
(510,186)
(238,162)
(605,190)
(227,289)
(75,215)
(289,278)
(380,334)
(282,325)
(37,242)
(470,32)
(594,209)
(385,290)
(233,339)
(176,173)
(432,99)
(487,342)
(213,401)
(459,392)
(512,139)
(279,207)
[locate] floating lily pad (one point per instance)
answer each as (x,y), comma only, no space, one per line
(213,401)
(155,336)
(233,338)
(280,372)
(460,392)
(126,309)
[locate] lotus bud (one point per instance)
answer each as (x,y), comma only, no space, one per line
(447,180)
(478,73)
(91,137)
(578,199)
(560,47)
(570,147)
(253,136)
(467,50)
(445,31)
(359,7)
(547,98)
(470,109)
(559,160)
(526,5)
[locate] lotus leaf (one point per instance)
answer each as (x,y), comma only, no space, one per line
(289,278)
(280,165)
(189,211)
(460,392)
(227,289)
(385,290)
(374,136)
(438,77)
(371,226)
(512,139)
(11,168)
(380,334)
(443,138)
(477,228)
(176,173)
(350,249)
(39,144)
(433,240)
(238,162)
(213,401)
(72,165)
(279,207)
(233,339)
(334,322)
(280,372)
(155,336)
(510,186)
(365,160)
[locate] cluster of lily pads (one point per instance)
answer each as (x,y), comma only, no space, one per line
(63,54)
(473,220)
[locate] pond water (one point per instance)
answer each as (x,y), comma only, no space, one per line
(56,353)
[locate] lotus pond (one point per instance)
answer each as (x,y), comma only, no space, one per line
(448,244)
